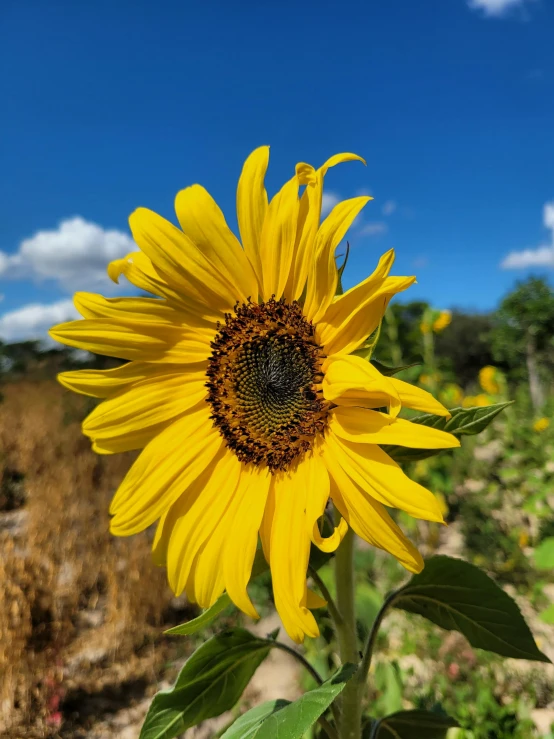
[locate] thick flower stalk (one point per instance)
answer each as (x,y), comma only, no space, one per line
(242,391)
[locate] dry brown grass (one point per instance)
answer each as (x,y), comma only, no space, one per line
(79,609)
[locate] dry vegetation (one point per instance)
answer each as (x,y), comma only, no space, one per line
(80,611)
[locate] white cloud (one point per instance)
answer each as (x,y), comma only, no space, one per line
(33,320)
(328,202)
(374,229)
(388,208)
(496,8)
(541,256)
(75,255)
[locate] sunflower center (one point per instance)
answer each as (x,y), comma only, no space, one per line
(264,378)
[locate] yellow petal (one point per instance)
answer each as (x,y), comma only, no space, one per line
(316,501)
(180,262)
(370,427)
(252,206)
(107,383)
(278,238)
(199,538)
(145,406)
(142,310)
(146,343)
(314,600)
(353,381)
(417,399)
(267,521)
(323,277)
(242,535)
(139,270)
(370,520)
(202,221)
(380,477)
(308,220)
(353,316)
(290,551)
(164,469)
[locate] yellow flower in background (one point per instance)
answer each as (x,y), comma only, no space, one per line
(471,401)
(242,392)
(425,327)
(488,379)
(541,425)
(451,395)
(523,539)
(442,321)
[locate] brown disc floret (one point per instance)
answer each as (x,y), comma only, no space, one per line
(264,382)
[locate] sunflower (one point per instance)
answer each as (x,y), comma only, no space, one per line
(242,390)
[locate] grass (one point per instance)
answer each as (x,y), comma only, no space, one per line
(80,610)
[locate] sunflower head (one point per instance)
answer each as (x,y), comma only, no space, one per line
(242,389)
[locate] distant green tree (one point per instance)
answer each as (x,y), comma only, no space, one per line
(464,347)
(523,331)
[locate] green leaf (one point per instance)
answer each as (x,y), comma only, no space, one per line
(284,720)
(204,619)
(548,614)
(389,371)
(210,683)
(544,554)
(463,422)
(458,596)
(249,723)
(413,725)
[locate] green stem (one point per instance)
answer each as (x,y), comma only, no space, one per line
(363,672)
(323,589)
(285,648)
(351,711)
(327,728)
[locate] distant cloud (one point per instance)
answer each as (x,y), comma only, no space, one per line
(388,208)
(374,229)
(328,202)
(496,8)
(75,255)
(541,256)
(33,320)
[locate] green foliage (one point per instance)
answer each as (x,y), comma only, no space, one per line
(411,725)
(465,346)
(548,614)
(389,686)
(463,422)
(458,596)
(544,554)
(480,712)
(204,619)
(285,720)
(527,311)
(210,683)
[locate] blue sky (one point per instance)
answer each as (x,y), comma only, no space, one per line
(113,105)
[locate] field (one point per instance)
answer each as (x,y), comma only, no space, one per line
(82,613)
